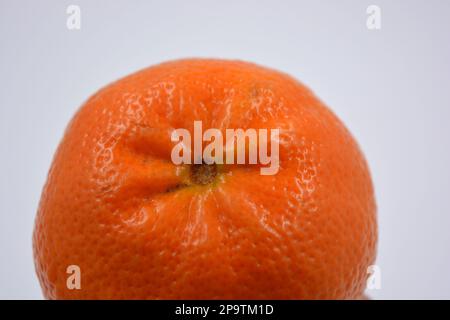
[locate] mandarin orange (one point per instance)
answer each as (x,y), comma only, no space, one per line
(140,227)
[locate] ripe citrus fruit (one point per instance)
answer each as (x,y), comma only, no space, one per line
(140,227)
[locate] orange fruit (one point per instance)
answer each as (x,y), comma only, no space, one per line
(140,227)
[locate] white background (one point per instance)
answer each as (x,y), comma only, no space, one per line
(391,87)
